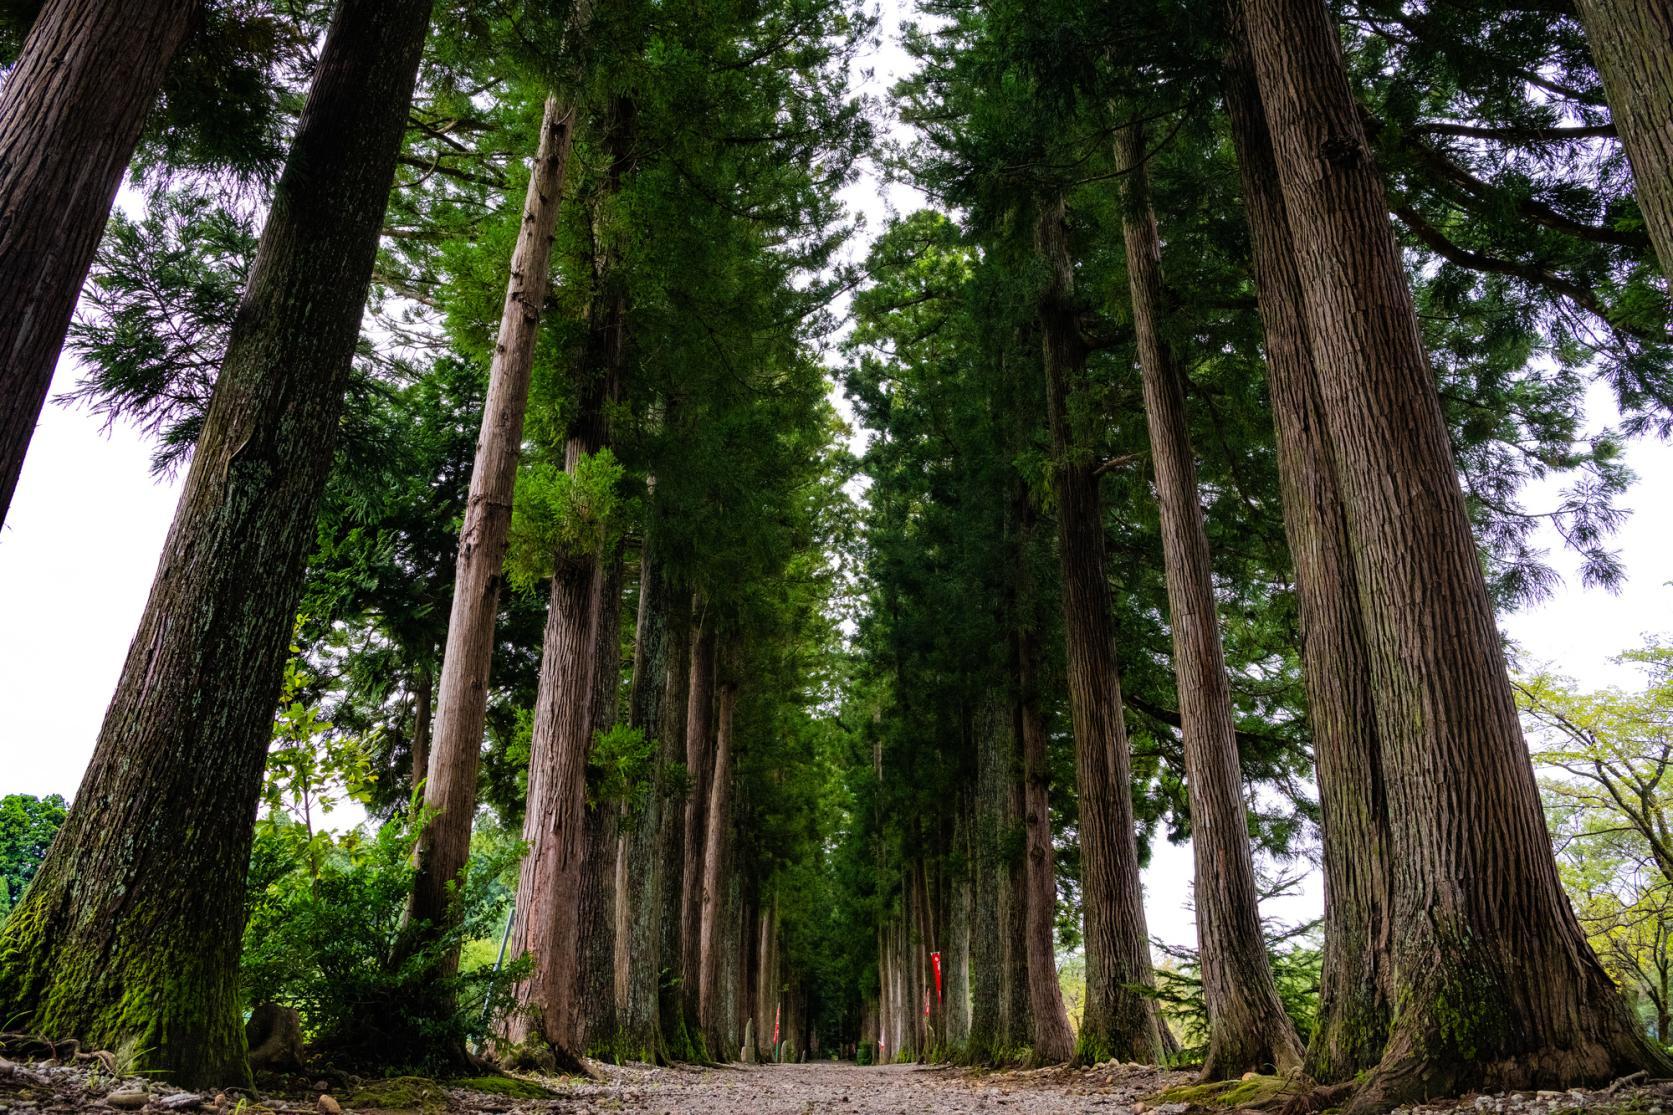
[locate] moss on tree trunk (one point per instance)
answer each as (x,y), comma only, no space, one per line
(130,933)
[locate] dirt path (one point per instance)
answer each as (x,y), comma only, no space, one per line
(832,1088)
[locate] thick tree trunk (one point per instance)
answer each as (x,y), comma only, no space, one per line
(1496,984)
(992,722)
(549,886)
(596,994)
(767,981)
(555,820)
(1018,1009)
(71,111)
(671,755)
(1054,1041)
(699,759)
(1119,1019)
(1632,47)
(1354,1001)
(127,933)
(731,991)
(462,701)
(711,908)
(1248,1029)
(642,880)
(955,957)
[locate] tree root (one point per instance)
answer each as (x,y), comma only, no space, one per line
(1321,1097)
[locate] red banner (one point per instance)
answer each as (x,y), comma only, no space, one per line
(935,958)
(776,1011)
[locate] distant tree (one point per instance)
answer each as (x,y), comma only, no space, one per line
(27,826)
(1606,757)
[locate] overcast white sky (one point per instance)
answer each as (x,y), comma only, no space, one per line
(80,545)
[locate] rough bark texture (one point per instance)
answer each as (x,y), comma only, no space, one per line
(991,722)
(699,761)
(1494,981)
(1248,1029)
(126,933)
(546,926)
(596,994)
(711,901)
(1119,1020)
(955,956)
(1016,1005)
(643,881)
(1632,47)
(71,111)
(462,701)
(1054,1042)
(671,757)
(1354,998)
(731,989)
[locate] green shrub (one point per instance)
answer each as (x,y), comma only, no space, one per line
(324,919)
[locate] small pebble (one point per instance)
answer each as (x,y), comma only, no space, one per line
(128,1101)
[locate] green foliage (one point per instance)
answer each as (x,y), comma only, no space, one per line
(27,826)
(563,513)
(619,767)
(156,315)
(1606,764)
(324,915)
(325,910)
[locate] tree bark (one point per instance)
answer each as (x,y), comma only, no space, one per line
(1017,1006)
(711,901)
(1118,1020)
(1632,47)
(955,958)
(462,701)
(1354,994)
(991,722)
(424,685)
(643,882)
(699,760)
(1054,1041)
(555,820)
(127,933)
(596,995)
(1248,1029)
(1496,983)
(731,991)
(71,112)
(671,757)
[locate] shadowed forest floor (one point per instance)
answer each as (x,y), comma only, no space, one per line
(819,1086)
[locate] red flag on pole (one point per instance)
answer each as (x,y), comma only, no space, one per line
(935,958)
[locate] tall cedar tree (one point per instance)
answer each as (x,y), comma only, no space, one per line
(1354,984)
(128,934)
(1119,1018)
(1496,984)
(71,111)
(564,716)
(1248,1029)
(462,700)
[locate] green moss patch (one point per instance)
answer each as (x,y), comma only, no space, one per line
(401,1093)
(1254,1092)
(512,1086)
